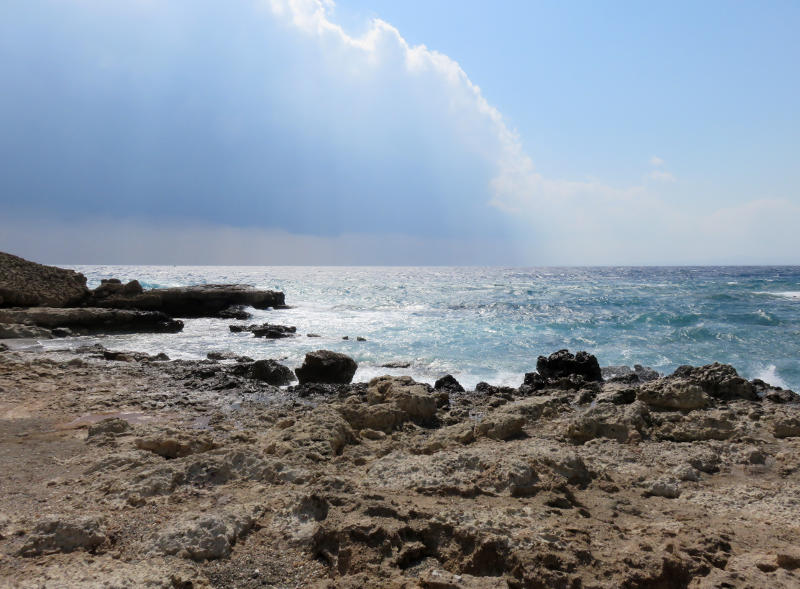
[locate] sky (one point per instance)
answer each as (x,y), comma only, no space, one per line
(514,133)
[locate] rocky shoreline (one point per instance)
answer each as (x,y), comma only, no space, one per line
(127,470)
(124,469)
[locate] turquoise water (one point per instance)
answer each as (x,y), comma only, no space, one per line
(491,323)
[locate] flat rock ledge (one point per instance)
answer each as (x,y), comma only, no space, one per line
(207,300)
(92,320)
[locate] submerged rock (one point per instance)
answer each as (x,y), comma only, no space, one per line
(267,330)
(325,366)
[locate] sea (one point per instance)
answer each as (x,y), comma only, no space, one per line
(490,324)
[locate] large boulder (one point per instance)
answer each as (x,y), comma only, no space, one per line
(562,364)
(28,284)
(93,320)
(271,372)
(326,367)
(207,300)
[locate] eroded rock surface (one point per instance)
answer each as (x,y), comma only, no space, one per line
(195,474)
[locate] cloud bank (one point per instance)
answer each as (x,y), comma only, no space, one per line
(225,134)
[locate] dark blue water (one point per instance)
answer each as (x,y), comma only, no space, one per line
(491,323)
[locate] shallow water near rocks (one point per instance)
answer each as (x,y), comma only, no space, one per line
(491,323)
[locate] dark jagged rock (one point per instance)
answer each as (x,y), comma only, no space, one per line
(114,286)
(448,383)
(134,356)
(207,300)
(562,364)
(93,320)
(234,312)
(324,366)
(268,330)
(271,372)
(28,284)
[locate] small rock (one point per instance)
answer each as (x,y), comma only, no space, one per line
(664,488)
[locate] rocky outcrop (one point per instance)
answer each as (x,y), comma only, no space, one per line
(563,370)
(28,284)
(208,300)
(92,320)
(324,366)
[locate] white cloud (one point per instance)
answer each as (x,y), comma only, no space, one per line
(515,185)
(656,161)
(662,176)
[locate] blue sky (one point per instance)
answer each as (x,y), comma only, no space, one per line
(303,131)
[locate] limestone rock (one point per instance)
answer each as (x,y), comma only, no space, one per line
(617,422)
(61,534)
(171,443)
(678,394)
(720,381)
(28,284)
(21,331)
(109,426)
(786,427)
(712,425)
(206,536)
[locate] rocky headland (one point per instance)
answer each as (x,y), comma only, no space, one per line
(124,469)
(38,301)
